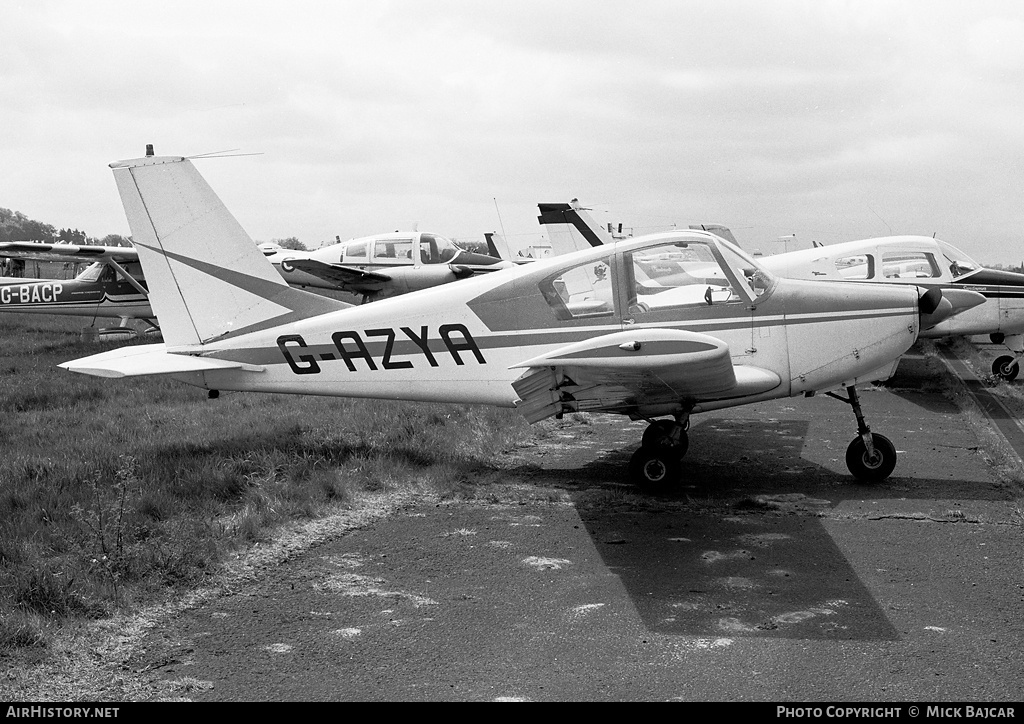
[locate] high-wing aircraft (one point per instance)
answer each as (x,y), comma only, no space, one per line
(112,286)
(381,266)
(566,334)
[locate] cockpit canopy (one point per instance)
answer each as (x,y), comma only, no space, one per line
(667,272)
(101,271)
(960,264)
(416,247)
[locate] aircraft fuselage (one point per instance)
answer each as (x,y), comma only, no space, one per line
(462,343)
(115,299)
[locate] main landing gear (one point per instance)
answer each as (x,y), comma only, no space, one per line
(870,457)
(658,462)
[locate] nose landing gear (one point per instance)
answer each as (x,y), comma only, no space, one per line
(871,458)
(1007,366)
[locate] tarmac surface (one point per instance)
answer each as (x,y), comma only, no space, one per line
(770,575)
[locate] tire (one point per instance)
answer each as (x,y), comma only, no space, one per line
(997,337)
(656,436)
(871,470)
(655,468)
(1005,367)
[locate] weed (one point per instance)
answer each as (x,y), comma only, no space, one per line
(114,491)
(19,630)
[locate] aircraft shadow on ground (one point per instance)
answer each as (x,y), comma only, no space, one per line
(730,562)
(747,553)
(921,380)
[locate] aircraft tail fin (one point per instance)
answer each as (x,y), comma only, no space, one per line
(207,278)
(570,228)
(497,246)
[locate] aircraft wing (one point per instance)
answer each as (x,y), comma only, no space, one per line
(635,370)
(65,252)
(347,278)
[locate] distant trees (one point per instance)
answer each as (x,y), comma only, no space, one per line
(15,226)
(71,236)
(290,243)
(477,246)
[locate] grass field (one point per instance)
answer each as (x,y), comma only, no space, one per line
(116,492)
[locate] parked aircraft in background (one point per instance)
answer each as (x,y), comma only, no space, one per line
(112,286)
(576,229)
(921,261)
(517,337)
(569,228)
(929,263)
(381,266)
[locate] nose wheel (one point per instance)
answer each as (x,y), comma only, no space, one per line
(1006,367)
(658,463)
(871,458)
(871,466)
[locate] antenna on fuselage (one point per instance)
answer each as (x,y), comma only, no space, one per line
(500,222)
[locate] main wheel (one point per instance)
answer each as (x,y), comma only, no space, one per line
(997,337)
(655,468)
(1005,367)
(657,435)
(867,468)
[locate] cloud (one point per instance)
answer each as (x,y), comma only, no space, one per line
(788,116)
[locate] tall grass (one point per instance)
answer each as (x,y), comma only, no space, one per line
(112,491)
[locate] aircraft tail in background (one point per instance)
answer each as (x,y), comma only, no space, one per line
(570,228)
(498,247)
(717,230)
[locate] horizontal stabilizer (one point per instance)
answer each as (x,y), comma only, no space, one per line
(149,359)
(570,228)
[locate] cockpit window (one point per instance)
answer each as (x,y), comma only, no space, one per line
(134,269)
(355,252)
(692,273)
(392,249)
(446,249)
(580,292)
(959,263)
(92,272)
(856,266)
(909,265)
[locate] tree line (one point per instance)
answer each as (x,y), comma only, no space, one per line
(15,226)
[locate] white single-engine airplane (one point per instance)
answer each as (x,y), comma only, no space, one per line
(514,338)
(381,266)
(112,286)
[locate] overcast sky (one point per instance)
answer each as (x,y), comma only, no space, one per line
(829,120)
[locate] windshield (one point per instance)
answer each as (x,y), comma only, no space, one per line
(446,249)
(677,272)
(92,272)
(959,263)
